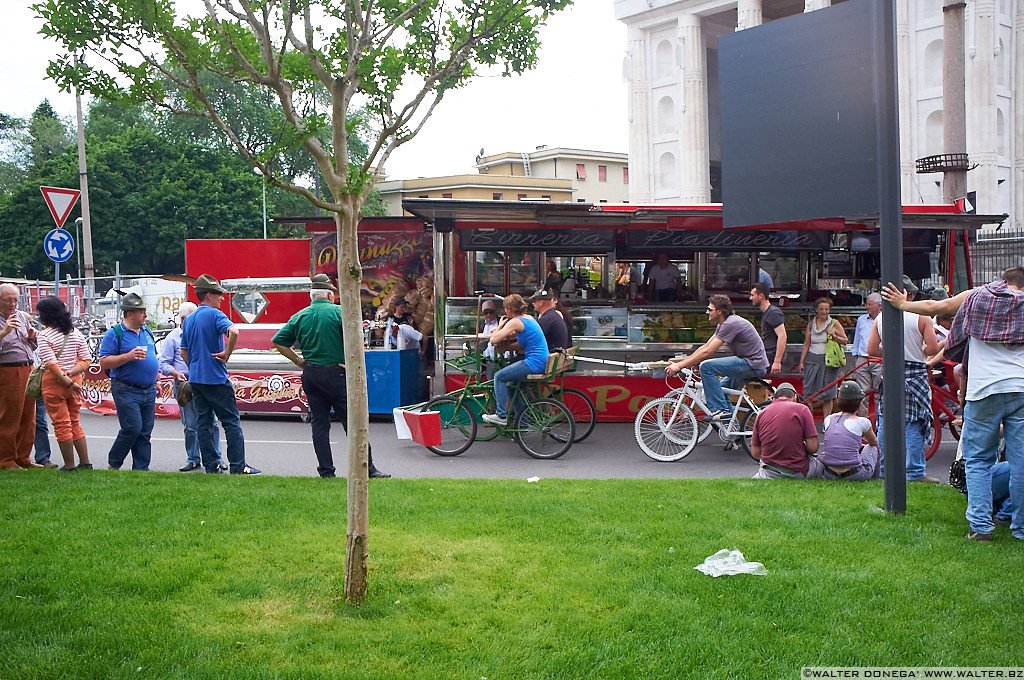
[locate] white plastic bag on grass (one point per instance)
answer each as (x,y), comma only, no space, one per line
(729,563)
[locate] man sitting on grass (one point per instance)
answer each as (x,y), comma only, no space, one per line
(784,439)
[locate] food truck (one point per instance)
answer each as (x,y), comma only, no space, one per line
(502,247)
(449,251)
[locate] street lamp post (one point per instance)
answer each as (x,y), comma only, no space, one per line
(260,173)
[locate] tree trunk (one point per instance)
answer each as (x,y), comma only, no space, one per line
(349,284)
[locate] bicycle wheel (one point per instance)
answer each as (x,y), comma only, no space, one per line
(545,429)
(481,405)
(665,429)
(582,408)
(704,427)
(458,426)
(747,425)
(933,438)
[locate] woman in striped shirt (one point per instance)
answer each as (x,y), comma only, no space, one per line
(62,379)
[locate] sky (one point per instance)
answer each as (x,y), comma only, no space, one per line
(575,98)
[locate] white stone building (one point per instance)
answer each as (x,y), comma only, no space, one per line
(671,65)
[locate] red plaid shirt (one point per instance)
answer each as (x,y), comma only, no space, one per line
(992,313)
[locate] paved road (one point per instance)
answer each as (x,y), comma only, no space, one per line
(282,447)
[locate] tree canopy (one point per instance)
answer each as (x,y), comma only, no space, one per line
(393,59)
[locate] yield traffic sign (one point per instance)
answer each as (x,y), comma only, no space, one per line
(58,245)
(60,201)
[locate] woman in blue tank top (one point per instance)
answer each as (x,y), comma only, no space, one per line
(527,332)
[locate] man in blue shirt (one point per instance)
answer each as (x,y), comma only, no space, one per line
(128,355)
(173,365)
(203,349)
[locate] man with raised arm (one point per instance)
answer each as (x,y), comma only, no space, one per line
(989,328)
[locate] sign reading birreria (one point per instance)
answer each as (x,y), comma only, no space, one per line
(728,240)
(568,241)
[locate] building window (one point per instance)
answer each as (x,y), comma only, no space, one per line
(625,175)
(496,196)
(581,171)
(546,197)
(424,196)
(602,173)
(522,197)
(446,195)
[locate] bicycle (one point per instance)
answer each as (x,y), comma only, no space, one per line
(579,403)
(945,407)
(668,430)
(543,428)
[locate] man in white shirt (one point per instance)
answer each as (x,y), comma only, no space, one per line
(664,280)
(868,376)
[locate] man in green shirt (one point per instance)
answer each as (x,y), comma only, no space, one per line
(317,330)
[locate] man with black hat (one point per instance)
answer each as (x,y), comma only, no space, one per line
(128,355)
(556,331)
(317,330)
(204,350)
(785,438)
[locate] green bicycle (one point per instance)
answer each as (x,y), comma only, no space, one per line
(543,428)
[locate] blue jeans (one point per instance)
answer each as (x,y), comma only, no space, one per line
(735,370)
(42,443)
(136,414)
(982,419)
(189,419)
(503,381)
(913,441)
(219,400)
(1002,506)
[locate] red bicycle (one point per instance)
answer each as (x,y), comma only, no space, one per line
(945,404)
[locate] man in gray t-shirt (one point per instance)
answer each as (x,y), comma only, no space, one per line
(749,360)
(773,326)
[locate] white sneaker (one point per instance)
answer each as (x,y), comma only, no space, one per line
(494,419)
(719,416)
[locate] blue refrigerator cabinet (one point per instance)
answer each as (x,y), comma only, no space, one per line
(392,379)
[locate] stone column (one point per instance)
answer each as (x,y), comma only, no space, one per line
(981,106)
(811,5)
(954,116)
(694,167)
(1016,126)
(908,167)
(748,14)
(641,167)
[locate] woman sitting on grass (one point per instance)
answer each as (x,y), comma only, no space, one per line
(842,452)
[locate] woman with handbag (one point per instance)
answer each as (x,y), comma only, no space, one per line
(65,355)
(820,329)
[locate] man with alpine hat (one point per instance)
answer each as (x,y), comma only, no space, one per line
(128,355)
(317,330)
(204,350)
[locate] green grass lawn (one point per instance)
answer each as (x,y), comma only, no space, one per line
(121,575)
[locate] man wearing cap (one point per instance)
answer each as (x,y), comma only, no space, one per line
(918,341)
(206,354)
(173,365)
(17,355)
(556,332)
(785,438)
(317,330)
(128,355)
